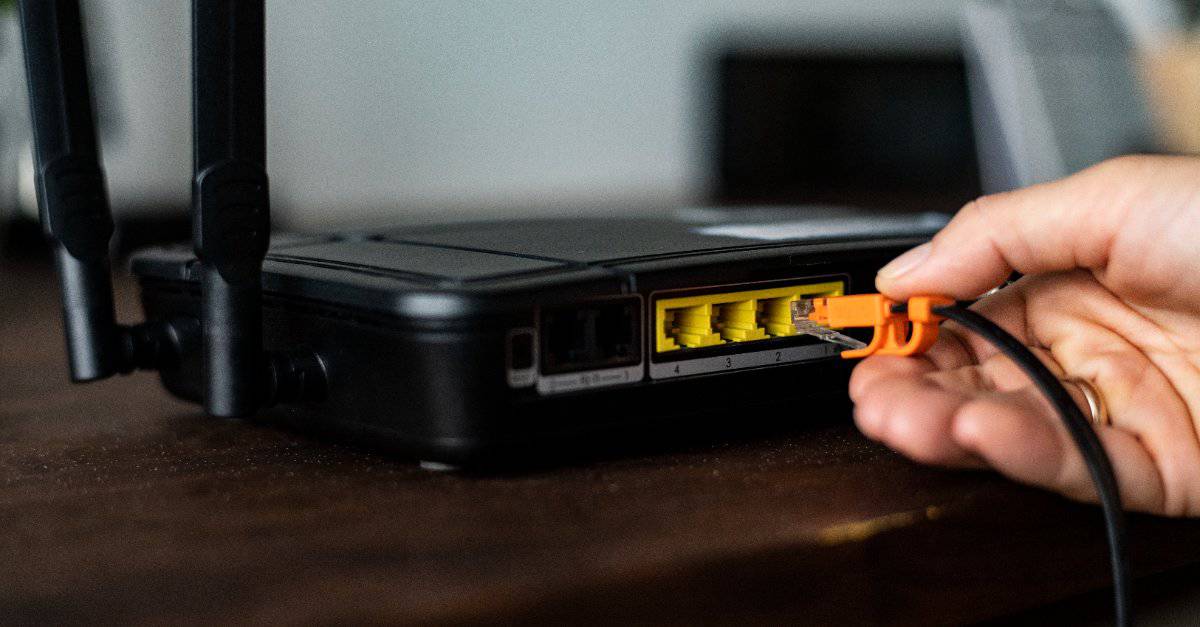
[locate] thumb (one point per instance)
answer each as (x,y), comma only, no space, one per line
(1062,225)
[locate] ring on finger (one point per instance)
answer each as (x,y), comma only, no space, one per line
(1095,400)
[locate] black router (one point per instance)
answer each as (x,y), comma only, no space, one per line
(458,344)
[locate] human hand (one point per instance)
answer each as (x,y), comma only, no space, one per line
(1111,294)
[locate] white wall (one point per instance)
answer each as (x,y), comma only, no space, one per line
(533,104)
(386,110)
(381,110)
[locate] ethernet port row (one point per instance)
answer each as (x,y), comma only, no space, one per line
(744,316)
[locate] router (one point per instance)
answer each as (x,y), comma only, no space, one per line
(458,344)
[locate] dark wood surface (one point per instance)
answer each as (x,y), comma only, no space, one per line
(120,504)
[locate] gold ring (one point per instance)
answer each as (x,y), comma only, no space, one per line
(1095,401)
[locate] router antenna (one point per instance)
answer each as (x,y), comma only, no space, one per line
(230,203)
(231,218)
(70,184)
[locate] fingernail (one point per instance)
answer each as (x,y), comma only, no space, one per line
(906,262)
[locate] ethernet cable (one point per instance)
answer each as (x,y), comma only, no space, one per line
(911,328)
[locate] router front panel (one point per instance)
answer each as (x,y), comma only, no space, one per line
(462,354)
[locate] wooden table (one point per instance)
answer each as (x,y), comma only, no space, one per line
(119,503)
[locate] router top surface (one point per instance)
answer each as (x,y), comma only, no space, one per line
(488,256)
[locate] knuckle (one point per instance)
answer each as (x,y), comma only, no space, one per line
(1117,164)
(986,213)
(1126,162)
(1122,168)
(976,218)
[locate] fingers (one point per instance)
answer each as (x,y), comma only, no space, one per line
(919,427)
(1019,435)
(1066,224)
(1141,397)
(956,418)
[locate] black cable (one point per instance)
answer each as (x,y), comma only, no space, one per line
(1098,464)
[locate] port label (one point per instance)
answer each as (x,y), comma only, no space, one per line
(570,382)
(704,365)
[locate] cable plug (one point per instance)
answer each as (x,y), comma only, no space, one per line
(900,329)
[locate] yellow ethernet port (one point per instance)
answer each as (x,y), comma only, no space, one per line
(741,316)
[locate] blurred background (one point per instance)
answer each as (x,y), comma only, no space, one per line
(388,111)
